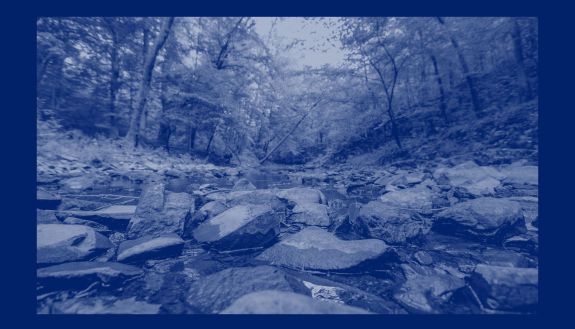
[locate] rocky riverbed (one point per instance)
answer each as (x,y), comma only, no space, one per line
(451,238)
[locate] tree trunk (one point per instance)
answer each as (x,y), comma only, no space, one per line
(132,136)
(465,69)
(442,103)
(115,73)
(518,50)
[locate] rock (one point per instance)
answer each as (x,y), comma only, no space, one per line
(423,258)
(104,305)
(160,212)
(150,247)
(217,291)
(426,289)
(485,219)
(477,180)
(392,224)
(114,217)
(418,198)
(517,174)
(84,182)
(506,288)
(281,302)
(315,248)
(302,195)
(46,217)
(78,275)
(243,185)
(311,214)
(96,226)
(244,226)
(256,197)
(207,211)
(47,200)
(59,243)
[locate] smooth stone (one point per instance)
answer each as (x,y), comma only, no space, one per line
(311,214)
(217,291)
(76,275)
(487,219)
(477,180)
(150,247)
(114,217)
(243,185)
(302,195)
(46,217)
(281,302)
(243,226)
(60,243)
(506,288)
(315,248)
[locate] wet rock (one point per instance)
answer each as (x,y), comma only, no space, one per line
(485,219)
(392,224)
(46,217)
(315,248)
(426,289)
(160,212)
(96,226)
(243,226)
(423,258)
(281,302)
(150,247)
(506,288)
(418,198)
(47,200)
(474,179)
(207,211)
(59,243)
(214,293)
(243,185)
(302,195)
(311,214)
(104,305)
(78,275)
(115,217)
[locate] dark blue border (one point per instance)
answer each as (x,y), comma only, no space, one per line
(19,157)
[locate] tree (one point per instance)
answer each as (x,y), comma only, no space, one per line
(147,70)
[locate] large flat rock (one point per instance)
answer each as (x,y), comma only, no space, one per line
(488,219)
(114,217)
(150,247)
(60,243)
(315,248)
(281,302)
(77,275)
(217,291)
(242,226)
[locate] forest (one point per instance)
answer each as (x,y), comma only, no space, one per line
(342,164)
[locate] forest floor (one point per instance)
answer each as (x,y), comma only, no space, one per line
(146,232)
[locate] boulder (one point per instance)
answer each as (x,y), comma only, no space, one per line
(217,291)
(243,226)
(78,275)
(506,288)
(47,200)
(160,212)
(517,174)
(281,302)
(60,243)
(426,289)
(302,195)
(316,249)
(46,217)
(207,211)
(243,185)
(419,198)
(391,224)
(484,219)
(474,179)
(150,247)
(311,214)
